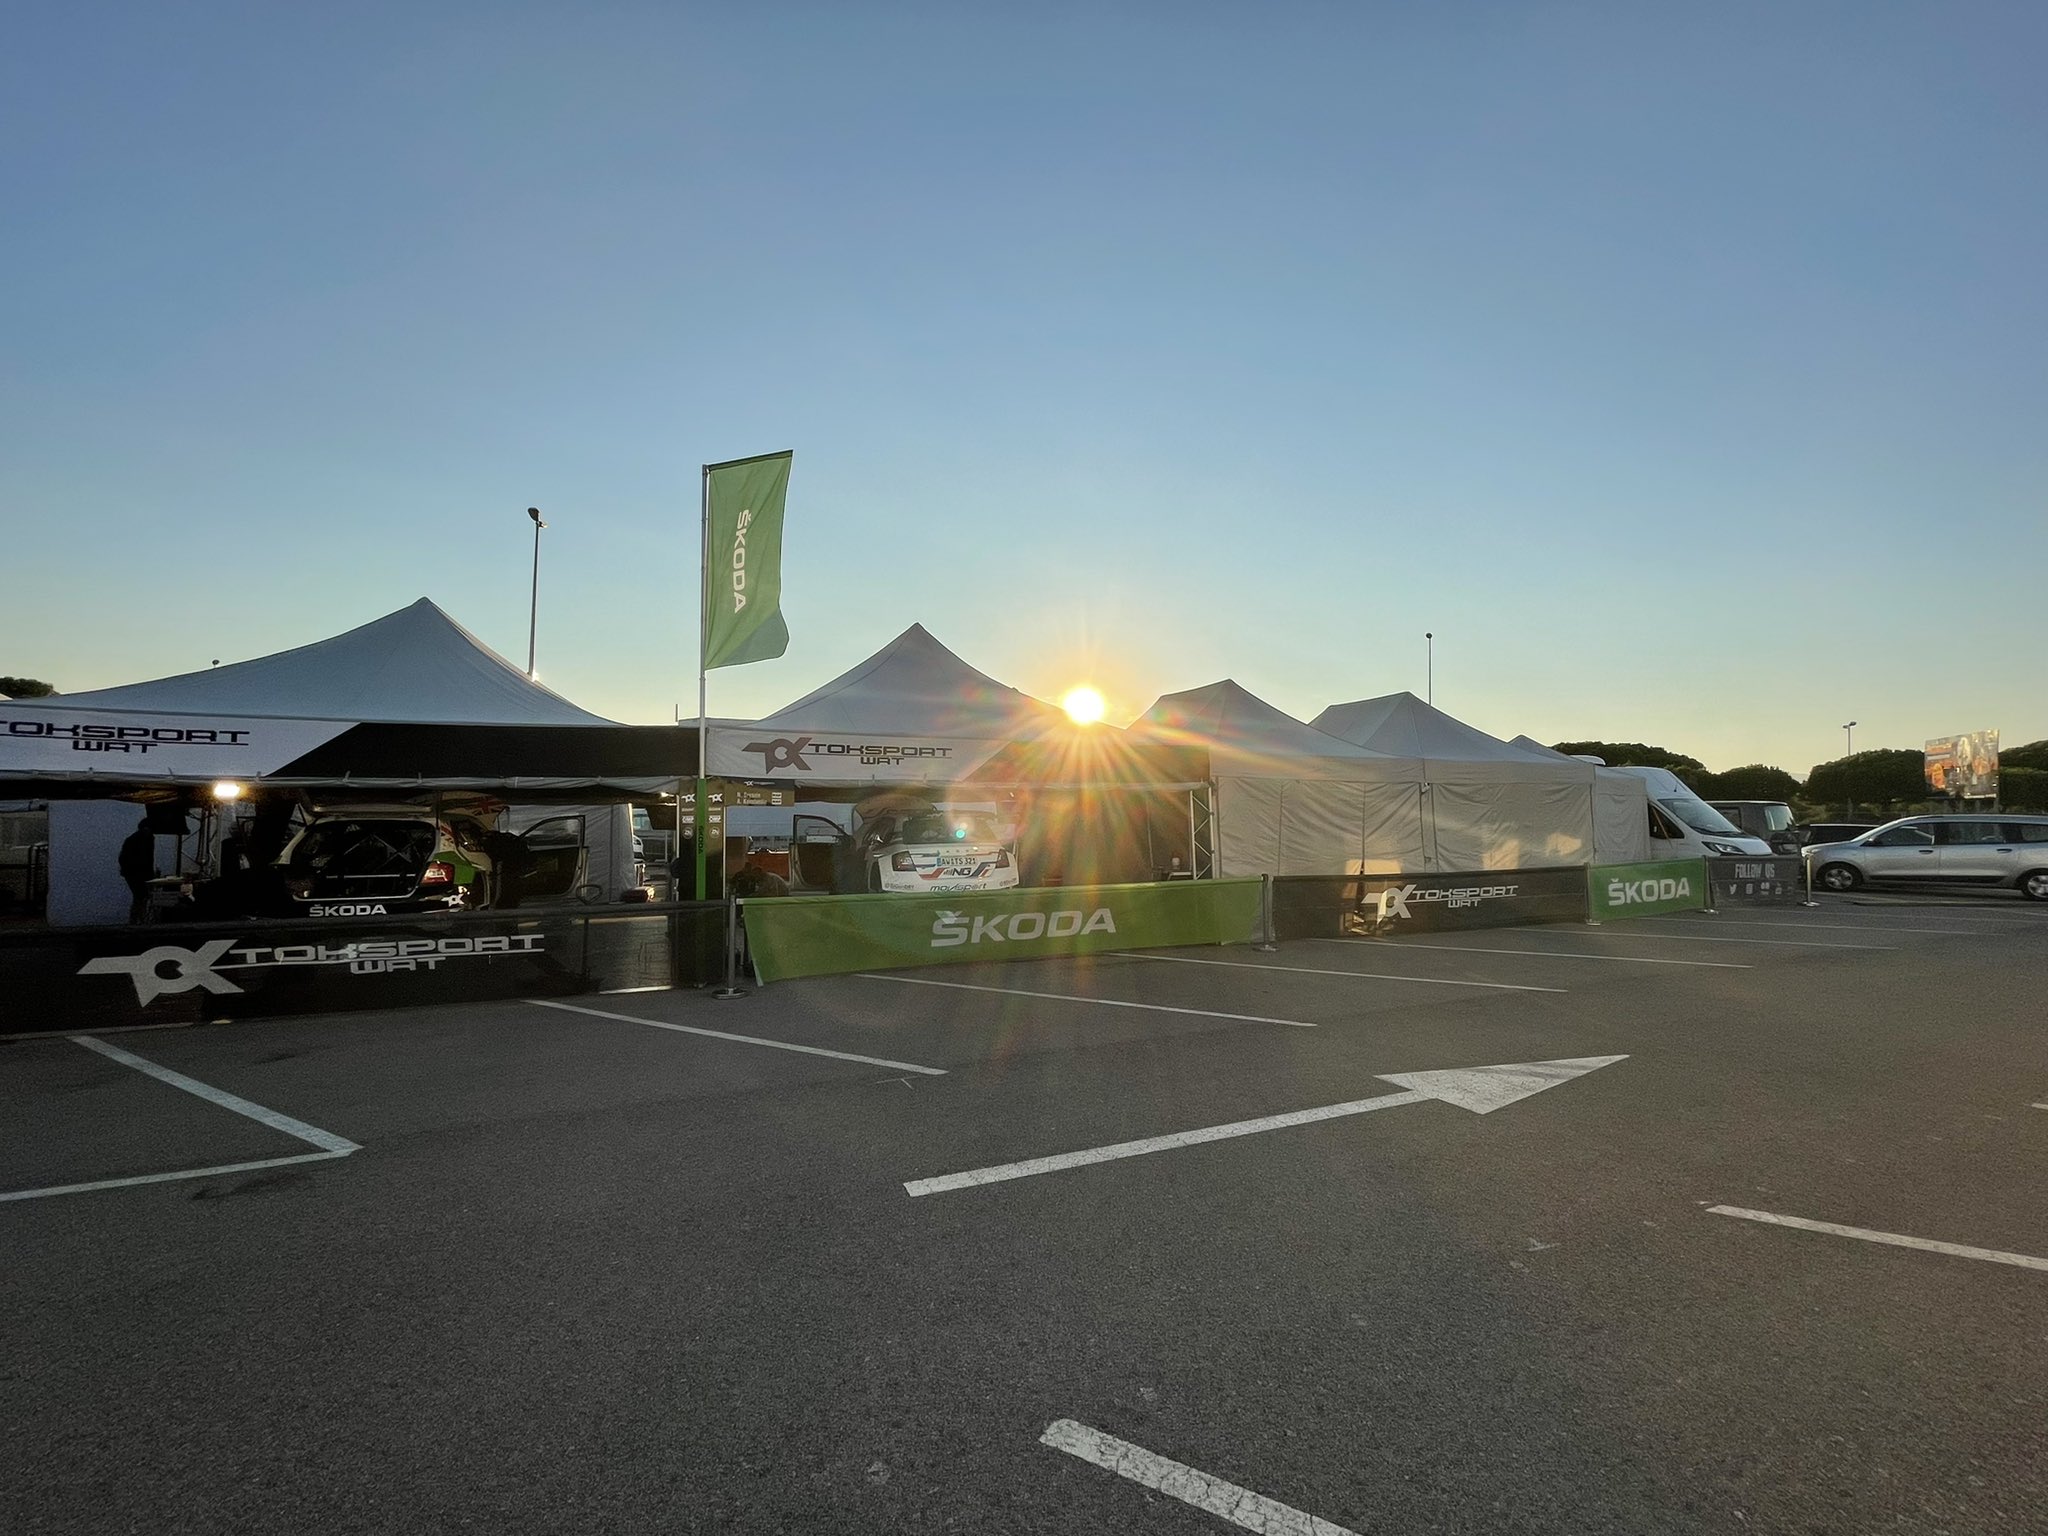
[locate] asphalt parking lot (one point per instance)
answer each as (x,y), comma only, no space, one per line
(1199,1242)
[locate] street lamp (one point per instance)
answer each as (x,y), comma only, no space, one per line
(1849,750)
(533,612)
(1429,665)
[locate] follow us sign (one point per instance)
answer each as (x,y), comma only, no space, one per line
(1644,890)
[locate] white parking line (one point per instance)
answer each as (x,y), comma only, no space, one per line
(1798,926)
(1240,1506)
(1425,981)
(330,1145)
(312,1135)
(719,1034)
(167,1178)
(1864,1234)
(1069,997)
(1547,954)
(1703,938)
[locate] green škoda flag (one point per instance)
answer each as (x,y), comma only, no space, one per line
(743,560)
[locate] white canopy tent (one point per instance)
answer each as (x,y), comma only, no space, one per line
(408,700)
(1292,800)
(1621,809)
(404,705)
(911,713)
(1490,804)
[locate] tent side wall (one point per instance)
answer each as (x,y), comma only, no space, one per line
(1318,827)
(1621,818)
(1496,824)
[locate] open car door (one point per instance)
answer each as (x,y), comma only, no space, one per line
(820,852)
(552,868)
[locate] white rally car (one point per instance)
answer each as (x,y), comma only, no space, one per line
(933,850)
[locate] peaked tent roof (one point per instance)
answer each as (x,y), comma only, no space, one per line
(915,686)
(415,666)
(1400,722)
(1246,735)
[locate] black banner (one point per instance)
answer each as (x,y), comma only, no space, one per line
(96,978)
(1778,881)
(1330,907)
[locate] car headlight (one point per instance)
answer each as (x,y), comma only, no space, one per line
(1724,849)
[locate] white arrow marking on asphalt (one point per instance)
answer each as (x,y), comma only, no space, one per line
(1240,1506)
(1479,1089)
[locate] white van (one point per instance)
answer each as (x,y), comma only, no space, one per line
(1683,826)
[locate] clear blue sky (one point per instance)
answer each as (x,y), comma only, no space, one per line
(1685,369)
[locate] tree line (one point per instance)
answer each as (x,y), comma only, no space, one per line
(1888,779)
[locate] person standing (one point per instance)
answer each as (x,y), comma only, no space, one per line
(138,868)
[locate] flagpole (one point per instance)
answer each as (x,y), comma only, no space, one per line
(703,654)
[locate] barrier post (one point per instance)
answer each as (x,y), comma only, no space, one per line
(732,949)
(1808,863)
(1268,935)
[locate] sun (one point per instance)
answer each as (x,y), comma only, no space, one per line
(1083,705)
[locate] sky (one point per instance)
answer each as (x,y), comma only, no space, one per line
(1682,369)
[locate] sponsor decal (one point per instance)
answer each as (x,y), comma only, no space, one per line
(787,752)
(126,738)
(1623,893)
(1393,901)
(951,929)
(347,909)
(168,969)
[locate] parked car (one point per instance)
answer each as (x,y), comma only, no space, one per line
(376,860)
(1770,820)
(1812,832)
(1982,851)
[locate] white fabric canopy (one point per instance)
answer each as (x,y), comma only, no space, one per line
(1290,799)
(415,666)
(912,712)
(1492,805)
(1621,814)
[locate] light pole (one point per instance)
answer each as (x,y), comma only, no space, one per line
(1429,666)
(533,612)
(1848,751)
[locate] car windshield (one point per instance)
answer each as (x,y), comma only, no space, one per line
(957,827)
(353,849)
(1778,818)
(1699,815)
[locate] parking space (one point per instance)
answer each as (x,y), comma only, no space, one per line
(1631,1227)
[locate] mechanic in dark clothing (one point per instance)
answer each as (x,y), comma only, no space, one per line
(744,878)
(138,868)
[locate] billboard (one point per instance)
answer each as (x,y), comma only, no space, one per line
(1964,766)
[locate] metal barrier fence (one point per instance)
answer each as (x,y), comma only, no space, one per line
(96,978)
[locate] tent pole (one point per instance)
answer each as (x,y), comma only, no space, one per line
(703,652)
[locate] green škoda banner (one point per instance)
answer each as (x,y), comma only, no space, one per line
(1644,890)
(743,560)
(790,936)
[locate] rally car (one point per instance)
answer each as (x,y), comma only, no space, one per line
(911,849)
(375,860)
(936,851)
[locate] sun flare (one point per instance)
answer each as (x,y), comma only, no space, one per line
(1083,705)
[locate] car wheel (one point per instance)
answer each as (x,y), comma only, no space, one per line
(1839,877)
(2034,885)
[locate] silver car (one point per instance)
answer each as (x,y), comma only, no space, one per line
(1985,851)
